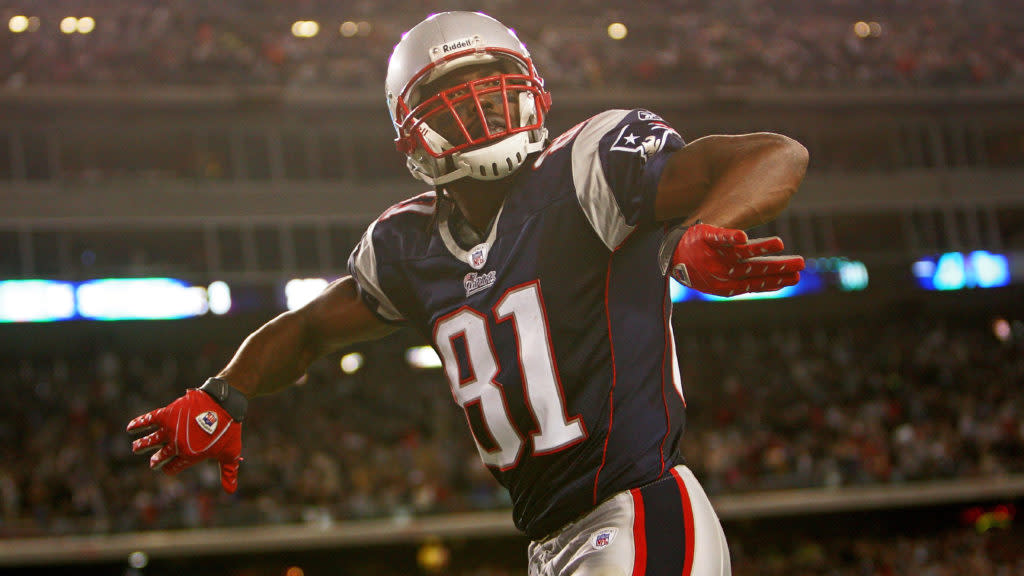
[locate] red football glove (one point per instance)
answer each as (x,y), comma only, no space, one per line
(191,429)
(721,261)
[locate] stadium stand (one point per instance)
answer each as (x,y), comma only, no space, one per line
(129,150)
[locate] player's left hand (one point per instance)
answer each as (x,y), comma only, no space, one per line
(187,431)
(724,262)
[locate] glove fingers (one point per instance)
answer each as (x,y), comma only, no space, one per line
(147,444)
(163,457)
(771,283)
(766,266)
(145,422)
(759,247)
(718,237)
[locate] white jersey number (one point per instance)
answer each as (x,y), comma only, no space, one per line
(524,307)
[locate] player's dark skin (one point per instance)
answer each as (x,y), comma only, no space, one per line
(729,181)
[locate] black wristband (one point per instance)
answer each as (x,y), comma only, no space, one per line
(231,399)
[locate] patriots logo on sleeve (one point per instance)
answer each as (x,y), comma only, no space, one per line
(644,140)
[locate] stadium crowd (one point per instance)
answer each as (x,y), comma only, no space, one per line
(866,402)
(688,44)
(946,551)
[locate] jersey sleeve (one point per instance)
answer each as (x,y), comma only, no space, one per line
(617,160)
(363,265)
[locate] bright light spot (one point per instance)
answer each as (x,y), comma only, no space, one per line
(422,357)
(69,25)
(352,362)
(862,29)
(853,275)
(86,25)
(348,29)
(140,298)
(784,292)
(1001,329)
(36,301)
(305,28)
(294,571)
(363,28)
(18,24)
(219,294)
(949,272)
(138,560)
(617,31)
(680,293)
(874,29)
(923,268)
(302,291)
(433,556)
(990,270)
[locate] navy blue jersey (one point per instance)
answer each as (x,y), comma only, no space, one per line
(555,331)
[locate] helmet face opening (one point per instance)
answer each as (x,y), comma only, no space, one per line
(489,106)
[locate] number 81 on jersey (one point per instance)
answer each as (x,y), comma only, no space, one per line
(523,305)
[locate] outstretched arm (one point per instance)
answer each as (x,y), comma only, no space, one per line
(276,355)
(731,181)
(720,185)
(206,423)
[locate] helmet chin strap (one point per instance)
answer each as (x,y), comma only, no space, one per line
(493,162)
(500,159)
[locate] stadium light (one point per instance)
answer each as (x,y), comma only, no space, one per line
(85,25)
(422,357)
(140,299)
(36,301)
(348,29)
(219,295)
(352,362)
(18,24)
(1001,329)
(138,560)
(69,25)
(617,31)
(956,271)
(305,28)
(862,29)
(301,291)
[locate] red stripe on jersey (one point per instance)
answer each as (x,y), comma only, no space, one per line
(687,521)
(639,534)
(664,357)
(611,393)
(420,203)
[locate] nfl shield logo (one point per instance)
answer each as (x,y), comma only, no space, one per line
(207,421)
(603,537)
(478,256)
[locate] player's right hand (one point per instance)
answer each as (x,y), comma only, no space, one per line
(189,430)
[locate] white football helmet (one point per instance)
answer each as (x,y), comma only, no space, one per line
(481,144)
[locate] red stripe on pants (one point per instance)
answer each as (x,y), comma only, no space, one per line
(688,521)
(639,534)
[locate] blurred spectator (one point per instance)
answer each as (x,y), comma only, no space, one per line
(859,403)
(686,44)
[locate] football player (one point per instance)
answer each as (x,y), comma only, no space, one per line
(539,270)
